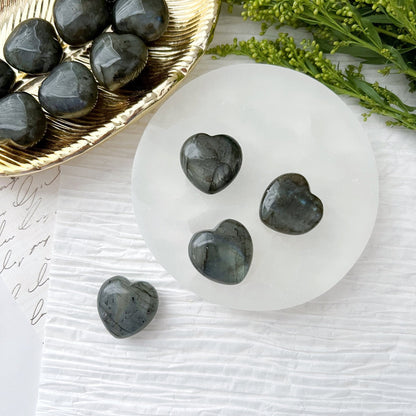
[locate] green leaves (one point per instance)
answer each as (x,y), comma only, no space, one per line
(366,55)
(365,29)
(313,70)
(397,58)
(367,90)
(371,32)
(381,19)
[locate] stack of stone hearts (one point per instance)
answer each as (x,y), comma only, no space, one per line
(224,254)
(70,89)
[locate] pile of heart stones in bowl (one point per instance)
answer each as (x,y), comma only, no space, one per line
(70,89)
(224,253)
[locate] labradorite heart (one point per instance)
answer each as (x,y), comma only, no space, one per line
(288,206)
(7,78)
(33,47)
(147,19)
(70,91)
(223,254)
(211,162)
(22,121)
(117,59)
(79,21)
(126,308)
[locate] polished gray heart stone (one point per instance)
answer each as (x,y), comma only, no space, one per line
(7,78)
(147,19)
(289,207)
(117,59)
(126,308)
(80,21)
(69,91)
(223,254)
(211,162)
(33,47)
(22,120)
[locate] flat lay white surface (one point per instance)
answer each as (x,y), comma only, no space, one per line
(310,132)
(351,351)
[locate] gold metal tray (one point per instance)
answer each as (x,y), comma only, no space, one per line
(191,26)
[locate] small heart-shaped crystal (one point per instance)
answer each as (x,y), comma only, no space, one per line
(69,91)
(223,254)
(126,308)
(33,47)
(22,120)
(117,59)
(79,21)
(147,19)
(211,162)
(289,207)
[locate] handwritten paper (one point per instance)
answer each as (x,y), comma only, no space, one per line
(27,216)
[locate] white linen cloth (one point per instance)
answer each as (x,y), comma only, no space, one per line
(352,351)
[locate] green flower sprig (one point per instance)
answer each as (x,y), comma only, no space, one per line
(352,27)
(309,59)
(399,16)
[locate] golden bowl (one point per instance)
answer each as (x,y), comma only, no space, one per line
(190,29)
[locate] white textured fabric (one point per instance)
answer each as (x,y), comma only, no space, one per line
(352,351)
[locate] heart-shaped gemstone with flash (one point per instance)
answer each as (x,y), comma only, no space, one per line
(117,59)
(126,308)
(288,206)
(211,162)
(223,254)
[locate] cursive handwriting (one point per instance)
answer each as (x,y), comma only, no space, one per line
(38,244)
(10,184)
(16,290)
(43,218)
(30,213)
(7,263)
(2,228)
(26,218)
(38,313)
(25,192)
(58,173)
(42,279)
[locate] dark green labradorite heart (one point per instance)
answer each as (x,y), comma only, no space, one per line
(7,78)
(22,120)
(79,21)
(117,59)
(288,206)
(69,91)
(33,47)
(147,19)
(211,162)
(126,308)
(223,254)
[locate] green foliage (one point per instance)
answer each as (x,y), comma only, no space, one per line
(377,31)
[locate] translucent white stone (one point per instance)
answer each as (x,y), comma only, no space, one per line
(284,122)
